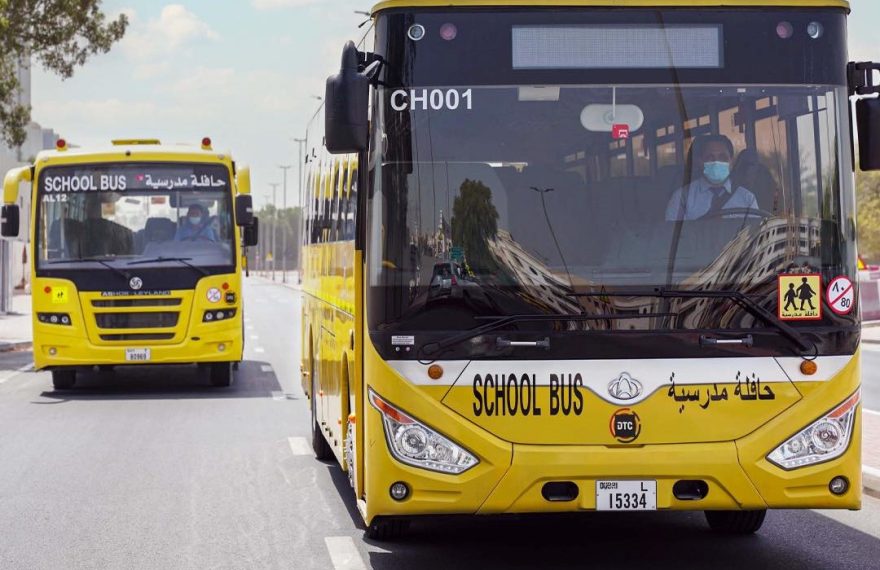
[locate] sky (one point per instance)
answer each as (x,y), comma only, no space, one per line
(244,72)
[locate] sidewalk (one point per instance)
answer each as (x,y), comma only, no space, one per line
(292,278)
(16,328)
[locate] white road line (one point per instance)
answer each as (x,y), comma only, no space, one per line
(299,446)
(266,368)
(870,412)
(259,350)
(13,373)
(343,553)
(872,471)
(255,337)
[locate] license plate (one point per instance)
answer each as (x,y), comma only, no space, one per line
(137,355)
(626,495)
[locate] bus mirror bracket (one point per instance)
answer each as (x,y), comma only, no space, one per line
(244,210)
(10,221)
(250,235)
(863,85)
(346,104)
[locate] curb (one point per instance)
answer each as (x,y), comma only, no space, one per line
(15,345)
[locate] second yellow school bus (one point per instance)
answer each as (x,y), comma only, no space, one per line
(548,255)
(137,255)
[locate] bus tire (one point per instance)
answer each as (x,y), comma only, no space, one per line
(385,529)
(221,374)
(736,522)
(319,443)
(63,379)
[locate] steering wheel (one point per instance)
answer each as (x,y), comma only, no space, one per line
(736,213)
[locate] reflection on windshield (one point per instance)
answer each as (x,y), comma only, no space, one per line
(528,200)
(146,216)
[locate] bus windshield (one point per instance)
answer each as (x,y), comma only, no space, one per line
(137,213)
(516,199)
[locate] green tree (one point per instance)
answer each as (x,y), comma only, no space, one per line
(868,199)
(60,34)
(474,223)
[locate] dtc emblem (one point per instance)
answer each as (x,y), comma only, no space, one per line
(136,283)
(625,387)
(626,425)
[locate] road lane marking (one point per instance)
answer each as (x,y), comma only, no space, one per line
(299,446)
(870,412)
(259,350)
(255,337)
(872,471)
(13,373)
(343,553)
(266,368)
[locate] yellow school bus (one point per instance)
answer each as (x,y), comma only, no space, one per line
(588,255)
(137,253)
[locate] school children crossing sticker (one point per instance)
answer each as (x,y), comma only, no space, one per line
(841,295)
(800,297)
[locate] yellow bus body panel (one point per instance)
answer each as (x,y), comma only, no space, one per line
(389,4)
(509,477)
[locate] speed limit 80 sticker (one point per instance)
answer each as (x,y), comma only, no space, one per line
(841,295)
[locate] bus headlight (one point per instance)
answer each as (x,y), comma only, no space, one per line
(823,440)
(414,443)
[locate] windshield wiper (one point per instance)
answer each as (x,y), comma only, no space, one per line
(434,348)
(183,260)
(121,272)
(737,297)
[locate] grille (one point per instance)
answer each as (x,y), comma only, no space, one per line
(122,303)
(137,320)
(130,337)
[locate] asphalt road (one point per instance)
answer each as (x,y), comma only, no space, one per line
(871,376)
(157,470)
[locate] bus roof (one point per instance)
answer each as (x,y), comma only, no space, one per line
(135,151)
(386,4)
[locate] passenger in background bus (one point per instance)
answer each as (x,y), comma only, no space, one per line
(196,226)
(712,189)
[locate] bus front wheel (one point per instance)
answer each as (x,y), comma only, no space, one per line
(221,374)
(386,529)
(63,379)
(736,522)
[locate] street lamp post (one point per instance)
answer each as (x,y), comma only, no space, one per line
(284,168)
(302,206)
(274,224)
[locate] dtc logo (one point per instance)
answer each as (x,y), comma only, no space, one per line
(626,425)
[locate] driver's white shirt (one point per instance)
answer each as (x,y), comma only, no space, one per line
(699,200)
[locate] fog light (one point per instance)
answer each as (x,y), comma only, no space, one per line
(65,320)
(220,315)
(53,319)
(221,347)
(399,491)
(53,351)
(839,485)
(209,316)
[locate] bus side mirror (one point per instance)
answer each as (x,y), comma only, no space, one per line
(868,122)
(10,221)
(244,210)
(250,235)
(346,104)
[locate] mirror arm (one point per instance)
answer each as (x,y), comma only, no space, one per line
(860,76)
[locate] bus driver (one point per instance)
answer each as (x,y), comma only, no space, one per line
(713,190)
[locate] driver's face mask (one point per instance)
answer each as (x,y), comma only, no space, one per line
(195,220)
(716,172)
